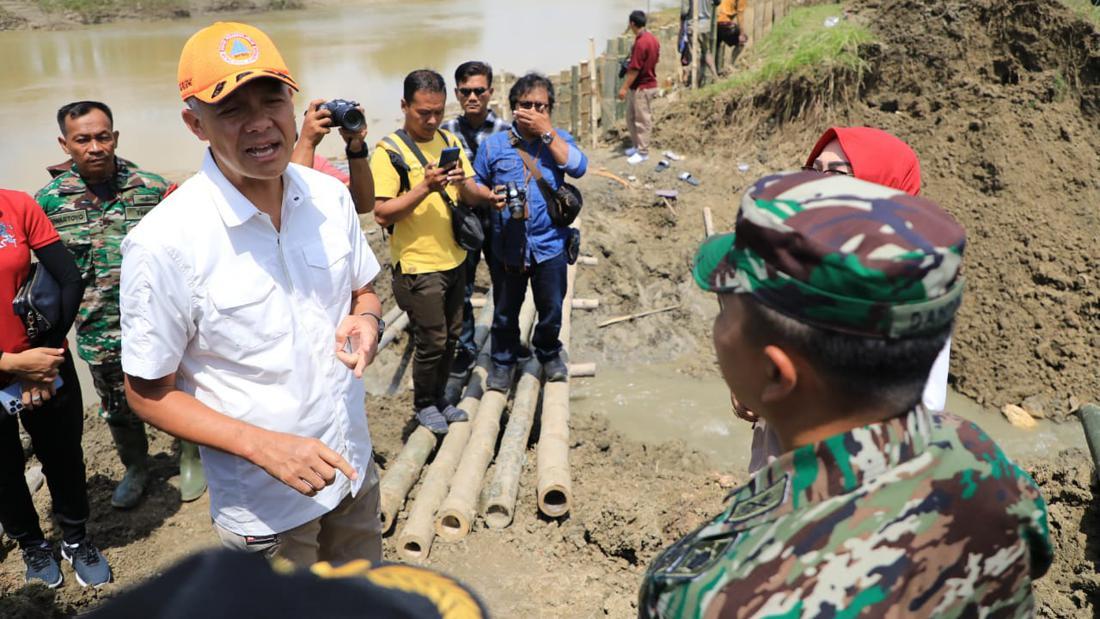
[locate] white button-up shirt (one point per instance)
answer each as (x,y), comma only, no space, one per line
(246,316)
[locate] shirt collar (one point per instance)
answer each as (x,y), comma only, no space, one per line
(832,467)
(74,183)
(490,121)
(234,208)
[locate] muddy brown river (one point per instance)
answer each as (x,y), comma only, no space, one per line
(360,52)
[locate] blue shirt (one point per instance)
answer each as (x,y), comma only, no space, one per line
(536,240)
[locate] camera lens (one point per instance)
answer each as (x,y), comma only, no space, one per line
(352,119)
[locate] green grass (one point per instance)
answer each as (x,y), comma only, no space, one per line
(98,10)
(799,41)
(1086,9)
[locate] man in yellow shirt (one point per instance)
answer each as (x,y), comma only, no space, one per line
(428,265)
(729,16)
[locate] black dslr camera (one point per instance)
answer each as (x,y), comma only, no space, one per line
(515,200)
(346,114)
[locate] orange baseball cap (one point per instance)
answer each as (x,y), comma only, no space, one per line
(221,57)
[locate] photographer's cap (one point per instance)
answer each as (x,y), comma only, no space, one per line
(221,57)
(841,254)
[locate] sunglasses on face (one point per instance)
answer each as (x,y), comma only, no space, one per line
(538,106)
(466,92)
(833,168)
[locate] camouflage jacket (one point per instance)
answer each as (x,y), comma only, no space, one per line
(918,516)
(93,232)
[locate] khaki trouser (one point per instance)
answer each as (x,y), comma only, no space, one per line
(639,117)
(351,531)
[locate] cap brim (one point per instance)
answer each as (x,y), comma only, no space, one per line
(223,88)
(714,269)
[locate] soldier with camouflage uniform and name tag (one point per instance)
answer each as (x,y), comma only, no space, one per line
(835,297)
(94,199)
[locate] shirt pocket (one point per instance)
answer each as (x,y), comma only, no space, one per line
(506,169)
(328,259)
(245,316)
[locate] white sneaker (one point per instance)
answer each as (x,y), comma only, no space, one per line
(630,151)
(637,158)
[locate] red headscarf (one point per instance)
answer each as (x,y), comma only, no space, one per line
(876,156)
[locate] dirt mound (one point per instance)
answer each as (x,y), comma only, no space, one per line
(1000,100)
(1072,586)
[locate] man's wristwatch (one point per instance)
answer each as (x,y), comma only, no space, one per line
(381,323)
(361,154)
(548,137)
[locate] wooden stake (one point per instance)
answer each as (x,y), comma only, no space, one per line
(708,222)
(608,323)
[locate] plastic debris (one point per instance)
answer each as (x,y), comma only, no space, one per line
(671,194)
(673,156)
(743,167)
(832,21)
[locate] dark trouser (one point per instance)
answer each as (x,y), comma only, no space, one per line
(108,380)
(55,429)
(433,302)
(548,282)
(466,346)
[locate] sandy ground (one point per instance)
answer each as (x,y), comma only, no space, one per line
(1007,150)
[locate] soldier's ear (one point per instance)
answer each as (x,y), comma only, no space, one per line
(64,144)
(782,375)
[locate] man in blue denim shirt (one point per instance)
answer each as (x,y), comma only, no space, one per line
(528,248)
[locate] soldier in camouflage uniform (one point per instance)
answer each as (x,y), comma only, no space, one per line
(836,296)
(94,199)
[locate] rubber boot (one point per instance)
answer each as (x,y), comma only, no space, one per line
(192,478)
(133,450)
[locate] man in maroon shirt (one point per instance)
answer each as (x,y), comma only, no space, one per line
(639,87)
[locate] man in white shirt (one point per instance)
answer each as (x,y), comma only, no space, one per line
(248,316)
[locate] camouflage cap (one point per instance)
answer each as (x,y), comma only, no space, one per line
(841,254)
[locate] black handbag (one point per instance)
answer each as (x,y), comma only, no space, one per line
(38,303)
(562,205)
(465,224)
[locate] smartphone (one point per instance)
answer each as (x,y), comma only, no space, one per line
(449,157)
(11,397)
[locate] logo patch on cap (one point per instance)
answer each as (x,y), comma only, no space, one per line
(239,49)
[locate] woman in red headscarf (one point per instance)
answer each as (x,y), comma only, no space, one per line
(875,156)
(868,154)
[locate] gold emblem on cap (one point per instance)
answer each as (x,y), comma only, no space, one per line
(239,49)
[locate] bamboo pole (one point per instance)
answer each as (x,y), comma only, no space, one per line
(586,304)
(593,94)
(575,101)
(555,484)
(400,478)
(708,222)
(501,493)
(456,513)
(746,21)
(414,542)
(696,61)
(582,370)
(608,323)
(588,261)
(394,329)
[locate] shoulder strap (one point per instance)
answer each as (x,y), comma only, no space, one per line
(529,163)
(397,160)
(413,148)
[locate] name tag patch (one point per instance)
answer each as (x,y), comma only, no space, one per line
(146,200)
(69,218)
(134,213)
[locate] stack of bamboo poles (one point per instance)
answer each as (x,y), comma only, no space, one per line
(447,502)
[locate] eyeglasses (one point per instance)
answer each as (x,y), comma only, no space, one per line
(833,169)
(538,106)
(466,92)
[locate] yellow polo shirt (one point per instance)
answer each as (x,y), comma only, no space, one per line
(422,242)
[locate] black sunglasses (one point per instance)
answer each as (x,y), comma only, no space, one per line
(466,92)
(538,106)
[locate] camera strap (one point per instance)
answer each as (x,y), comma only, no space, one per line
(544,187)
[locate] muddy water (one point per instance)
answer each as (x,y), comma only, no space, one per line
(655,404)
(359,52)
